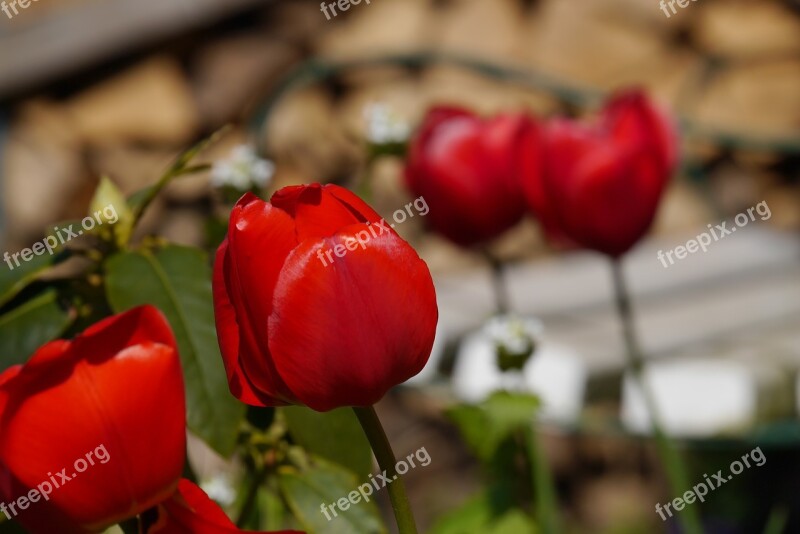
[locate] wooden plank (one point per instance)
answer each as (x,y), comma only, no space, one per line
(746,288)
(65,40)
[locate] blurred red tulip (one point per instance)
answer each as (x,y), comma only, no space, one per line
(300,325)
(465,168)
(190,511)
(599,184)
(93,430)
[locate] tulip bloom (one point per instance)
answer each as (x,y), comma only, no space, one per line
(598,185)
(190,511)
(297,328)
(93,429)
(465,168)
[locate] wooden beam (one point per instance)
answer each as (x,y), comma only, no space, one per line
(65,40)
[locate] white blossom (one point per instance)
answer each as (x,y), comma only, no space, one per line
(220,489)
(242,170)
(554,372)
(384,126)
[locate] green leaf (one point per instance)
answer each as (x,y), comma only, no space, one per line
(12,281)
(478,517)
(334,435)
(486,425)
(108,196)
(29,326)
(471,518)
(514,522)
(326,483)
(177,280)
(271,510)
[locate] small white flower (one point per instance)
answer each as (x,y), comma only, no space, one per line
(384,126)
(242,170)
(555,372)
(220,489)
(512,333)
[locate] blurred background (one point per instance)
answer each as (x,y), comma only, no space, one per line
(119,87)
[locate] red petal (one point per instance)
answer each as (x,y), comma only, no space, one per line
(321,211)
(116,392)
(415,176)
(260,238)
(362,210)
(343,334)
(191,511)
(603,191)
(633,118)
(465,170)
(228,332)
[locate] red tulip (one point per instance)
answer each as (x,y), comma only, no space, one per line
(464,167)
(318,302)
(93,430)
(599,184)
(190,511)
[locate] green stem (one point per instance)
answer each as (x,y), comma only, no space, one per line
(387,462)
(251,497)
(673,463)
(545,495)
(499,286)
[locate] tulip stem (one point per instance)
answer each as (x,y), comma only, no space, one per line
(252,496)
(673,463)
(387,462)
(544,489)
(499,286)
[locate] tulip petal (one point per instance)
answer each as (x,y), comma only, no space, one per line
(631,117)
(602,182)
(260,238)
(465,169)
(346,332)
(191,511)
(228,332)
(113,401)
(320,211)
(362,210)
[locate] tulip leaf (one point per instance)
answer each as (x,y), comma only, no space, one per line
(177,280)
(478,516)
(29,326)
(12,281)
(271,510)
(334,435)
(326,483)
(470,518)
(486,425)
